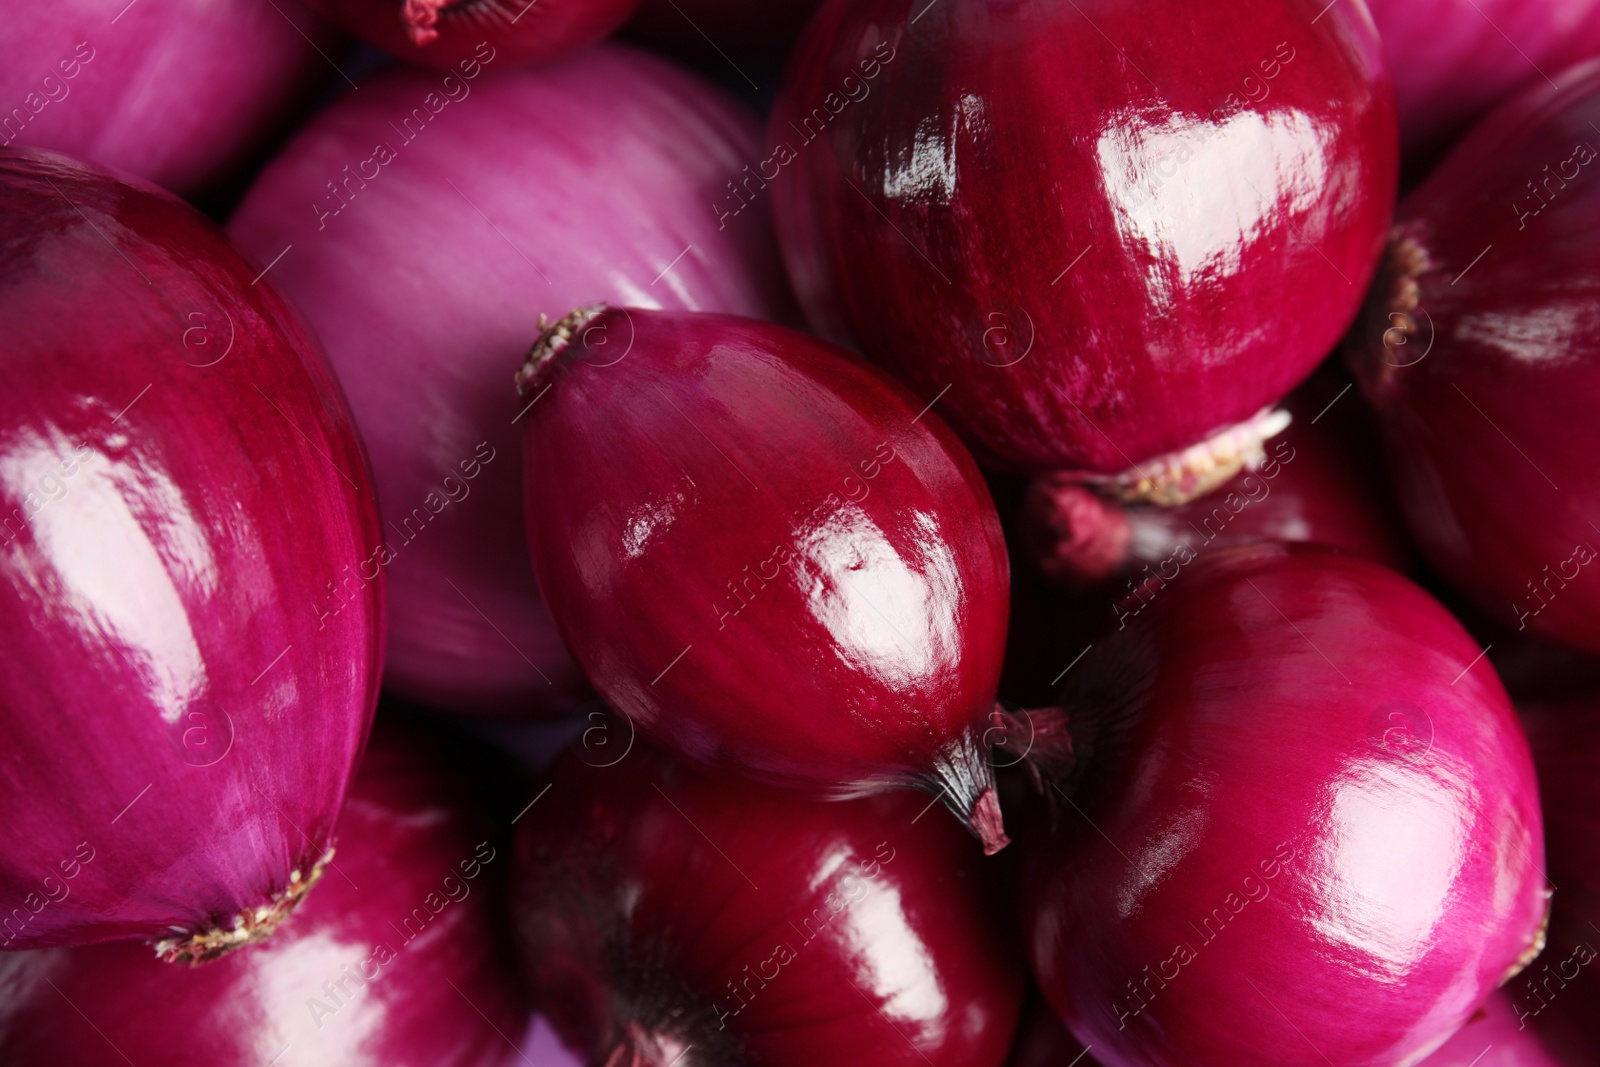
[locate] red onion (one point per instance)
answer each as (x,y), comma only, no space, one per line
(180,481)
(1454,60)
(1076,232)
(443,33)
(1043,1042)
(1497,1037)
(717,31)
(398,958)
(427,281)
(1480,350)
(176,91)
(1315,482)
(1307,828)
(766,554)
(665,917)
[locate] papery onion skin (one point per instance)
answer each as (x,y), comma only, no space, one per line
(1319,482)
(359,977)
(658,908)
(179,480)
(591,181)
(178,92)
(982,149)
(442,33)
(1307,744)
(766,554)
(1452,61)
(1480,351)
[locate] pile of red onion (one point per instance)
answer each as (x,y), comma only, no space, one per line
(927,533)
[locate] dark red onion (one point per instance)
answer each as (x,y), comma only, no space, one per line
(427,281)
(1307,828)
(1481,352)
(665,917)
(176,91)
(443,33)
(1317,481)
(399,957)
(179,480)
(1042,1041)
(1077,232)
(766,554)
(1454,60)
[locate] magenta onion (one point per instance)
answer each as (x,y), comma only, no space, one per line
(718,31)
(424,265)
(179,480)
(1497,1037)
(1481,352)
(1307,828)
(665,917)
(443,33)
(175,91)
(362,975)
(1454,60)
(1077,232)
(1318,481)
(766,554)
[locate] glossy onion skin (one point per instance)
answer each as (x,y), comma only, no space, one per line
(180,480)
(851,933)
(940,219)
(1452,61)
(1300,760)
(441,33)
(762,555)
(1497,1038)
(1486,373)
(178,92)
(408,839)
(592,177)
(1322,481)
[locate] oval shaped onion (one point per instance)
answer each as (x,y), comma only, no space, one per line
(179,481)
(533,192)
(765,555)
(1076,231)
(1454,60)
(442,33)
(1480,350)
(362,976)
(665,917)
(176,91)
(1304,795)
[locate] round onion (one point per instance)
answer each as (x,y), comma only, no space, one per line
(181,486)
(397,959)
(176,91)
(1480,350)
(442,33)
(1076,233)
(529,192)
(766,554)
(664,917)
(1318,481)
(1454,60)
(1304,795)
(1497,1036)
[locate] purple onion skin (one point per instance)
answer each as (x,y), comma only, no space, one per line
(1498,1037)
(904,230)
(426,307)
(441,33)
(767,554)
(410,834)
(180,479)
(1481,356)
(658,908)
(178,92)
(1452,61)
(1306,810)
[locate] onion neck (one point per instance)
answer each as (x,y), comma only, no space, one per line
(1076,537)
(420,18)
(1391,333)
(249,927)
(963,778)
(554,338)
(1178,477)
(1038,738)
